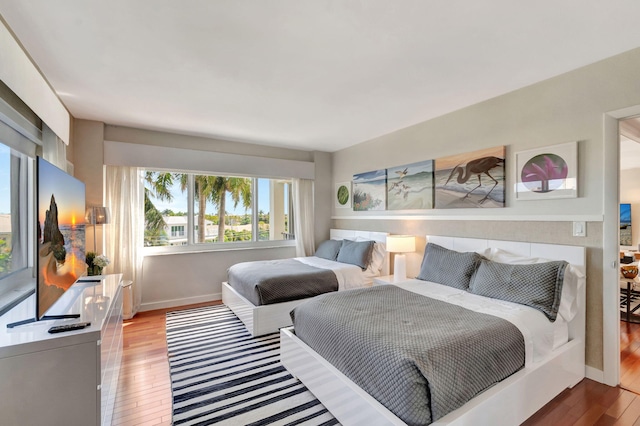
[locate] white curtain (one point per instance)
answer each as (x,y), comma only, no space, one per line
(124,196)
(54,150)
(303,216)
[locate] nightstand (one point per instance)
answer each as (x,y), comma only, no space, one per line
(383,280)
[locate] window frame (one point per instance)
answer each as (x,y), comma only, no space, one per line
(193,247)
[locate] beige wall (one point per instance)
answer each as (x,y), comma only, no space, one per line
(566,108)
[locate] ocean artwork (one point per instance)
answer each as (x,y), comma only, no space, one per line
(370,190)
(471,180)
(410,187)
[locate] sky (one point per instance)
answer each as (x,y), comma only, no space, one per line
(179,203)
(68,191)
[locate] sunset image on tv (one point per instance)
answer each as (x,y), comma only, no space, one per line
(61,233)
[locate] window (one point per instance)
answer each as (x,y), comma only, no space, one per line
(14,222)
(217,209)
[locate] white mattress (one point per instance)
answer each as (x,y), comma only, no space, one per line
(349,276)
(541,335)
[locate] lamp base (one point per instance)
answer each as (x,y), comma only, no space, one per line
(399,268)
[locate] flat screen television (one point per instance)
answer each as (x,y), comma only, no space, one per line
(625,225)
(61,234)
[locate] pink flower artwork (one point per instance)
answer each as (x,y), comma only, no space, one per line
(544,173)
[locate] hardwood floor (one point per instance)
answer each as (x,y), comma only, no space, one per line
(144,392)
(144,387)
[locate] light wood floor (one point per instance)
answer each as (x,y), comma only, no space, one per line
(144,392)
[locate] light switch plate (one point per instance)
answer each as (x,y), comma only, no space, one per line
(579,229)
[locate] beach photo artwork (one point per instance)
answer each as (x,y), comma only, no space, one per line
(370,190)
(410,187)
(471,180)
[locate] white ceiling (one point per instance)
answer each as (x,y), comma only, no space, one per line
(313,75)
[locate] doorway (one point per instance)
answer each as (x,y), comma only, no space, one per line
(629,238)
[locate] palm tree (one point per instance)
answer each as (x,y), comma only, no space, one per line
(240,191)
(157,185)
(204,191)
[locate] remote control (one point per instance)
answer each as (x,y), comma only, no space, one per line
(69,327)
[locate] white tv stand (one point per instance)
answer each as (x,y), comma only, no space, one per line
(67,378)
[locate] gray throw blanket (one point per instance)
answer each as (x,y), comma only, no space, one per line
(274,281)
(420,357)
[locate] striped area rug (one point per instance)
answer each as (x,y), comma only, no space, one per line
(222,375)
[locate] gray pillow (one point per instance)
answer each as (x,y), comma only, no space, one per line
(538,285)
(328,249)
(356,253)
(448,267)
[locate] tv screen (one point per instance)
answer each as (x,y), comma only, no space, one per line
(60,233)
(625,225)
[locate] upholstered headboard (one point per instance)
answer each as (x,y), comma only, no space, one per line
(381,237)
(575,255)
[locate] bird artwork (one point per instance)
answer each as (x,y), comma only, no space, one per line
(477,167)
(410,186)
(402,173)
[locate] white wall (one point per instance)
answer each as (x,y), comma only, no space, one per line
(180,279)
(570,107)
(630,193)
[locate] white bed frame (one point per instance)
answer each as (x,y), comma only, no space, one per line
(264,319)
(509,402)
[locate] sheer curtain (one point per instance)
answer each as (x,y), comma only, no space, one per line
(303,215)
(124,195)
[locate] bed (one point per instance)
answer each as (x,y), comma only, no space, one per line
(269,318)
(546,372)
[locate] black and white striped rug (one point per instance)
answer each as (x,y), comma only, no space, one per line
(222,375)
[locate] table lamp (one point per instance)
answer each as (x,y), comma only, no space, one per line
(400,244)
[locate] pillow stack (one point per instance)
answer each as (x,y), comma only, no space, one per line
(548,286)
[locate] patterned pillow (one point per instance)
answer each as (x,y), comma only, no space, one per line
(448,267)
(538,285)
(356,253)
(328,249)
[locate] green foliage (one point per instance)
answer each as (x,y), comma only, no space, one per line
(88,258)
(5,256)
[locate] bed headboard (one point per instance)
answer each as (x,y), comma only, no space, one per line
(575,255)
(381,237)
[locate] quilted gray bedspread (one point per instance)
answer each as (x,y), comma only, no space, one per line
(274,281)
(420,357)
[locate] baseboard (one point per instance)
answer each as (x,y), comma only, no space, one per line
(594,374)
(163,304)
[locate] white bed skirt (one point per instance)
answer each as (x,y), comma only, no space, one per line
(509,402)
(259,320)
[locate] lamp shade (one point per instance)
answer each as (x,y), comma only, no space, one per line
(97,215)
(401,243)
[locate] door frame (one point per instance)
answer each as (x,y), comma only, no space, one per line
(611,244)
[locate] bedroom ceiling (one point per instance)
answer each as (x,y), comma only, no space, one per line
(313,75)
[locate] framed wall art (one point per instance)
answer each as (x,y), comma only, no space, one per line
(370,190)
(547,173)
(471,180)
(410,187)
(343,195)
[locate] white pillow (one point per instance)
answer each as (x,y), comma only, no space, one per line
(378,255)
(573,278)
